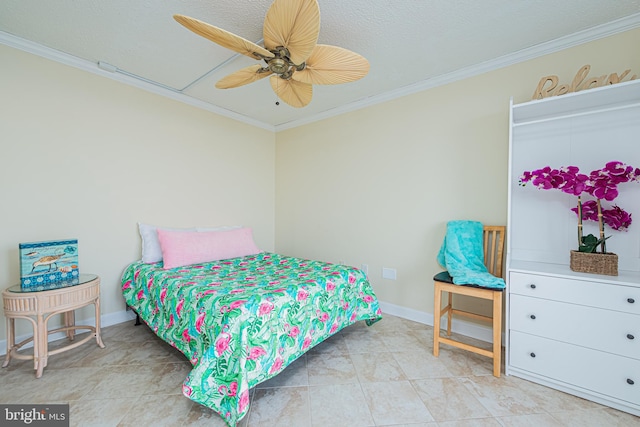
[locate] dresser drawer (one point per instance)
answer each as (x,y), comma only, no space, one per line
(604,373)
(593,294)
(606,330)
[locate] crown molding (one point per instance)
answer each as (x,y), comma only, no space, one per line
(585,36)
(126,78)
(595,33)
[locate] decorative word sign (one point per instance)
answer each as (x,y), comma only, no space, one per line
(548,86)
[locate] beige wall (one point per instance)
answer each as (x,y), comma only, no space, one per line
(378,185)
(85,157)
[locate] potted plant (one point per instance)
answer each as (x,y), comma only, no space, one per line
(601,184)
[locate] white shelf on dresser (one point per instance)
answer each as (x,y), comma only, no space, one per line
(575,332)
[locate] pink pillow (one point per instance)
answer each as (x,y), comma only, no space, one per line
(181,248)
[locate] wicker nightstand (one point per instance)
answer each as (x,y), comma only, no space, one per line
(39,306)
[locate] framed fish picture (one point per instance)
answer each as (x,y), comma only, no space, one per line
(44,264)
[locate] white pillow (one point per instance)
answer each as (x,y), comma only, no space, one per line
(151,250)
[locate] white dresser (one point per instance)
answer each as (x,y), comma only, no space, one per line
(576,332)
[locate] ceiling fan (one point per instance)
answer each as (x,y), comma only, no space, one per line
(293,58)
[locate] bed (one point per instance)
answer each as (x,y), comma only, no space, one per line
(242,320)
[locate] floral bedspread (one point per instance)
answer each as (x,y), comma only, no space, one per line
(243,320)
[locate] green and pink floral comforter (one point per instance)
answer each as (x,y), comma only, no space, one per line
(243,320)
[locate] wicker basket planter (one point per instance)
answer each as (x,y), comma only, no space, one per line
(595,263)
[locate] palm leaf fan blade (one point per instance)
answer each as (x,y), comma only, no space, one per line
(242,77)
(330,65)
(294,93)
(223,38)
(293,24)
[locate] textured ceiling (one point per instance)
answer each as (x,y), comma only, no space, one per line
(407,42)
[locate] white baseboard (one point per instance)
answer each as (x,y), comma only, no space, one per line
(483,333)
(115,318)
(105,320)
(458,326)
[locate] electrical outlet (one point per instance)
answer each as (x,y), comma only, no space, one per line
(389,273)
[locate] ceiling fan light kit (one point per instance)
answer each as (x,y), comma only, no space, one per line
(292,56)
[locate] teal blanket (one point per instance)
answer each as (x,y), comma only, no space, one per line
(462,255)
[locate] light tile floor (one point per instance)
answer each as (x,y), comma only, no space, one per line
(383,375)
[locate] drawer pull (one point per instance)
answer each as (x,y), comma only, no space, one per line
(533,286)
(630,300)
(534,355)
(533,317)
(630,336)
(630,381)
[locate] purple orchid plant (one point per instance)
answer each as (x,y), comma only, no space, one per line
(602,184)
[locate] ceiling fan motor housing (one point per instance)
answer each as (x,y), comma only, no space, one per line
(278,65)
(281,64)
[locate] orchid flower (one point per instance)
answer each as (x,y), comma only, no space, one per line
(602,184)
